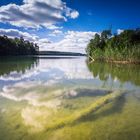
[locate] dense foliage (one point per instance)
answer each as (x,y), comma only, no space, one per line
(17,46)
(124,46)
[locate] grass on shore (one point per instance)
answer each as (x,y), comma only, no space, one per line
(130,55)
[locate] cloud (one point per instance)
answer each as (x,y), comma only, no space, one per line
(12,33)
(16,33)
(119,31)
(42,43)
(74,41)
(72,13)
(37,13)
(53,27)
(56,32)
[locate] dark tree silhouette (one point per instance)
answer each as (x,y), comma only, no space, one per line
(17,46)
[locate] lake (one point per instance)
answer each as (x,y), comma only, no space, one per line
(68,98)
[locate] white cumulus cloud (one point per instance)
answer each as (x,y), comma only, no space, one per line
(37,13)
(73,41)
(119,31)
(12,33)
(74,14)
(56,32)
(16,33)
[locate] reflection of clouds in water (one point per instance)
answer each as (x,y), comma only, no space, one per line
(35,117)
(71,68)
(54,69)
(115,79)
(3,110)
(33,94)
(16,76)
(41,102)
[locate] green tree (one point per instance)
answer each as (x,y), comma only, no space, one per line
(17,46)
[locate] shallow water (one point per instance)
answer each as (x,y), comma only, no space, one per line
(69,99)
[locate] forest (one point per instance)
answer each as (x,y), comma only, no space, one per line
(115,47)
(17,46)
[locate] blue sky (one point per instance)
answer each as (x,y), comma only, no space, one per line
(66,25)
(101,14)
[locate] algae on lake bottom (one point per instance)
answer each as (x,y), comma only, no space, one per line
(107,116)
(48,100)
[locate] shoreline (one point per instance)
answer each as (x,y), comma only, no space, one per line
(123,62)
(113,61)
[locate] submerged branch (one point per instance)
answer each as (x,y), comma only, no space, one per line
(91,109)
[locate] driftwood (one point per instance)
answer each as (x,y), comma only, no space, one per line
(92,59)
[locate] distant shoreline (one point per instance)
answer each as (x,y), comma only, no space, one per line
(60,53)
(49,53)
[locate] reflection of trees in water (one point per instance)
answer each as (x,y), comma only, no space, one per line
(16,64)
(124,73)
